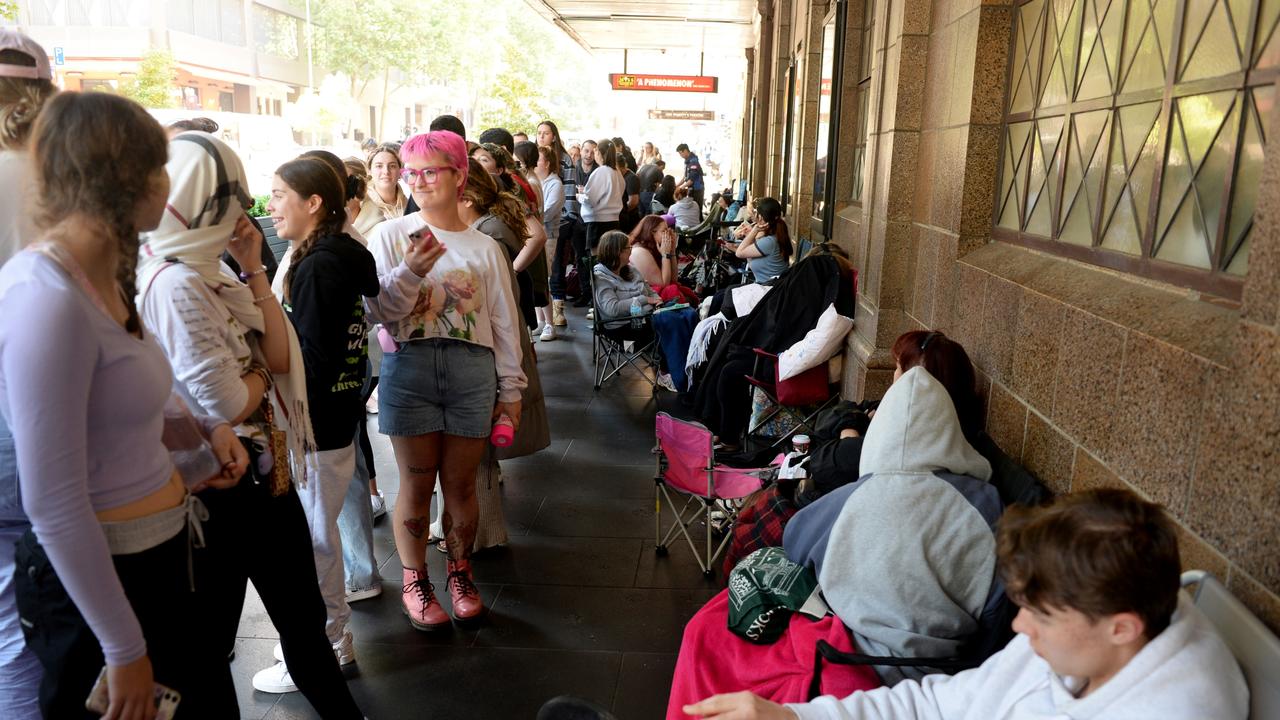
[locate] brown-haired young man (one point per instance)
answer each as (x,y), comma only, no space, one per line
(1103,632)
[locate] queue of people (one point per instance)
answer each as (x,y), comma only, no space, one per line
(198,424)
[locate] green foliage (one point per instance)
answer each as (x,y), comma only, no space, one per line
(8,10)
(153,86)
(259,208)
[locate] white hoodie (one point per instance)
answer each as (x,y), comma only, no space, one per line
(1185,673)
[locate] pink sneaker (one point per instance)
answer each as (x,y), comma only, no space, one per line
(420,604)
(467,605)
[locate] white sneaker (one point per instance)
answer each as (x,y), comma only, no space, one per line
(274,679)
(365,594)
(379,504)
(548,333)
(591,313)
(664,381)
(344,650)
(371,405)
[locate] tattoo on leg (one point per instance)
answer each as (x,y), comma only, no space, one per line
(420,470)
(417,527)
(460,538)
(446,523)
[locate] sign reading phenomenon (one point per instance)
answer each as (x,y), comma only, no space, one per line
(665,83)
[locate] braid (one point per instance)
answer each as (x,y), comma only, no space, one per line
(332,224)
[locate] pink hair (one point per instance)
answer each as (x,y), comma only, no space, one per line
(448,145)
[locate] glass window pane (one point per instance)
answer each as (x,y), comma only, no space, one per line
(1017,147)
(1248,176)
(206,18)
(1148,42)
(232,17)
(1209,40)
(1267,50)
(1060,48)
(824,118)
(1100,47)
(1026,56)
(178,15)
(1135,138)
(1086,158)
(1042,192)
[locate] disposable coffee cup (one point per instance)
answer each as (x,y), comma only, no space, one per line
(800,443)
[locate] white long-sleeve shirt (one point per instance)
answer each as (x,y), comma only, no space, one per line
(603,195)
(467,295)
(1184,673)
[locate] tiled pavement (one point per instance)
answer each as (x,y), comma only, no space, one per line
(579,604)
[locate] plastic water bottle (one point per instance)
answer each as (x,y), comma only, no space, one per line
(504,432)
(188,449)
(637,307)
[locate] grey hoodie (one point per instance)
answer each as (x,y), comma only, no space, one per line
(905,555)
(614,295)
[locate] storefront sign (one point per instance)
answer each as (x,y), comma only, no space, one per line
(665,83)
(682,115)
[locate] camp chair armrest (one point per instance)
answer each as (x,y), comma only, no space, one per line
(761,352)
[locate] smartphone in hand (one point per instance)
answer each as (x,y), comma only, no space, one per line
(423,239)
(167,699)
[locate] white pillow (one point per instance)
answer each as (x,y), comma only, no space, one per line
(817,346)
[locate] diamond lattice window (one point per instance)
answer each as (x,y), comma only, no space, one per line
(1135,131)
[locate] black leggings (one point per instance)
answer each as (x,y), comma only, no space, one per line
(729,415)
(179,644)
(565,248)
(587,256)
(366,447)
(253,536)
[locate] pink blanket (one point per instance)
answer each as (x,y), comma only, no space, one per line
(713,660)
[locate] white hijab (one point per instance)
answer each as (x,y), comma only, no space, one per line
(208,194)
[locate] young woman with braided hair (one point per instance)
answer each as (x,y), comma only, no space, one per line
(104,573)
(323,293)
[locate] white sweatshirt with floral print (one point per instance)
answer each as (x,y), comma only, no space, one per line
(467,295)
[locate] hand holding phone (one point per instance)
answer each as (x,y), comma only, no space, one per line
(423,251)
(136,693)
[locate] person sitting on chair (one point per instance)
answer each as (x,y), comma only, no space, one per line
(1103,632)
(620,290)
(622,293)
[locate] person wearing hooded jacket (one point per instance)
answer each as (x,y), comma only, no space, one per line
(905,558)
(919,475)
(1104,632)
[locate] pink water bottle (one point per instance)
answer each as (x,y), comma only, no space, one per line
(504,432)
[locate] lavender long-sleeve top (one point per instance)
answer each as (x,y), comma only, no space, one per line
(84,400)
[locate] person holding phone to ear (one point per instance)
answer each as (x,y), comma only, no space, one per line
(447,300)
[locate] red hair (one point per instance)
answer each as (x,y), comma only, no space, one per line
(643,236)
(949,364)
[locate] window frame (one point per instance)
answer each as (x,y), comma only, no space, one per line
(822,219)
(1214,280)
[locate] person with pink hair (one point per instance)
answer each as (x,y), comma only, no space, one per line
(451,367)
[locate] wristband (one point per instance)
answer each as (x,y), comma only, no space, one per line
(669,256)
(263,298)
(244,276)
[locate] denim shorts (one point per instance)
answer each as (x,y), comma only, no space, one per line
(437,385)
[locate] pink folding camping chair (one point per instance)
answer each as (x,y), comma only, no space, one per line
(686,464)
